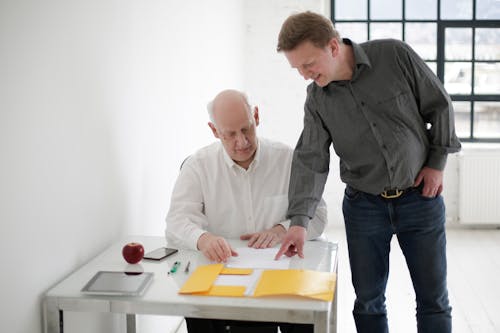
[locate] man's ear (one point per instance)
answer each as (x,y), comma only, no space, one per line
(256,115)
(334,46)
(214,130)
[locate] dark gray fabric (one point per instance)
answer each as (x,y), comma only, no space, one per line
(390,120)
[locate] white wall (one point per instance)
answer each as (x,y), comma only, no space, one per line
(100,101)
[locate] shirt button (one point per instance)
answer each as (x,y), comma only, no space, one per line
(374,125)
(362,103)
(384,147)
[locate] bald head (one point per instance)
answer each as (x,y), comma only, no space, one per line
(233,122)
(228,101)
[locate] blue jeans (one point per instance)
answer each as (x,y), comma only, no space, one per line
(418,222)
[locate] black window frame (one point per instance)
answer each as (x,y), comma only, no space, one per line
(442,25)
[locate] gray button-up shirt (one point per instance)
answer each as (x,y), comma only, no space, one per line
(390,120)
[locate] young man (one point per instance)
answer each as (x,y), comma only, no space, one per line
(234,188)
(391,123)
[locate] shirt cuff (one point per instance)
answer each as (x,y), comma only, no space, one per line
(300,220)
(193,239)
(285,224)
(436,161)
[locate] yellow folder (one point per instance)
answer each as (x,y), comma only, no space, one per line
(305,283)
(201,281)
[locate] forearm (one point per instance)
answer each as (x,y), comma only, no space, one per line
(183,232)
(185,219)
(435,108)
(318,223)
(310,167)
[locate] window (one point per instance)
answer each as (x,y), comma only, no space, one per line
(458,39)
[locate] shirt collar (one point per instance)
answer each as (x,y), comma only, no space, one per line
(360,56)
(232,164)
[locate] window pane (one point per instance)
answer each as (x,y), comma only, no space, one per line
(487,120)
(488,9)
(421,9)
(386,30)
(357,32)
(487,78)
(457,77)
(433,66)
(487,44)
(456,9)
(458,44)
(462,119)
(385,9)
(351,10)
(422,38)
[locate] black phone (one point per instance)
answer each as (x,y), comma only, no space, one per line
(160,253)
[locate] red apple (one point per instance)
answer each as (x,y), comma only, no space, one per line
(133,252)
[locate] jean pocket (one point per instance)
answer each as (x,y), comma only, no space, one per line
(423,198)
(351,193)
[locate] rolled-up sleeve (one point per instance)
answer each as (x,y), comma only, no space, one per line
(435,107)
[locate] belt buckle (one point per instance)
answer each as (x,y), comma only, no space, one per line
(391,194)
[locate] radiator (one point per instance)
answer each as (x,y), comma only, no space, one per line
(479,187)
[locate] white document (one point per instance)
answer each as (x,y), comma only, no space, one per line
(248,281)
(258,258)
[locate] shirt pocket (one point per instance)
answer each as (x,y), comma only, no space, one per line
(274,209)
(394,101)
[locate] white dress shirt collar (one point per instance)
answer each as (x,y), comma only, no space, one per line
(232,164)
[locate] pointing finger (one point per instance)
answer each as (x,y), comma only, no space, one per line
(281,251)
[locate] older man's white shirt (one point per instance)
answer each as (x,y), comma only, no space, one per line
(214,194)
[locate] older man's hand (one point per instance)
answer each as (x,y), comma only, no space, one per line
(266,238)
(215,248)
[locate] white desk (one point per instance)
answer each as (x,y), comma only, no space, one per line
(161,298)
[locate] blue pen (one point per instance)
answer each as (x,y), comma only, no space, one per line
(174,267)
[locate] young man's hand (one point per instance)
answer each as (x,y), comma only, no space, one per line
(215,248)
(433,182)
(293,243)
(266,238)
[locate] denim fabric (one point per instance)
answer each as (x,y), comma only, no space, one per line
(418,222)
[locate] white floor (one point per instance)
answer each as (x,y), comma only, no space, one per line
(473,284)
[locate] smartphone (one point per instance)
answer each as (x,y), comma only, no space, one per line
(160,253)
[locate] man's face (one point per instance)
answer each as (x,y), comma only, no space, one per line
(312,62)
(237,131)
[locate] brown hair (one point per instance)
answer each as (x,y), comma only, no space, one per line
(306,26)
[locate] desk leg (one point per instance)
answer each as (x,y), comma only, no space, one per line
(53,320)
(130,323)
(321,323)
(333,315)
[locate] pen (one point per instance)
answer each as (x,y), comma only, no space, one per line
(187,267)
(174,267)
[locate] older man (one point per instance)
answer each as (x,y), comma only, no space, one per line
(234,188)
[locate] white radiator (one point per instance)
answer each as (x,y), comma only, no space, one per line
(479,187)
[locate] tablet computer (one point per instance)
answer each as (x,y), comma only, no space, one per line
(118,283)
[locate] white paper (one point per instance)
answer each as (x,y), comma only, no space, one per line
(258,258)
(249,281)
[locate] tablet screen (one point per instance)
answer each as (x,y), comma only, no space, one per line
(118,283)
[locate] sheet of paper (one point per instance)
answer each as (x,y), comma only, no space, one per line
(258,258)
(249,281)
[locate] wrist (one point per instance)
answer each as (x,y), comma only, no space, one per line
(279,229)
(202,240)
